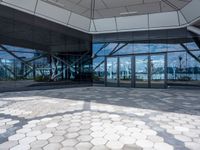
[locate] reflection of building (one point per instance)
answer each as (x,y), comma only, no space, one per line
(167,63)
(51,42)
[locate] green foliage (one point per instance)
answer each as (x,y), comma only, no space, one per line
(41,78)
(184,78)
(96,78)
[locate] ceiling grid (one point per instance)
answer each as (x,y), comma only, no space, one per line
(103,16)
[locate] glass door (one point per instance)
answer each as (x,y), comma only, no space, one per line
(157,65)
(141,71)
(125,71)
(111,74)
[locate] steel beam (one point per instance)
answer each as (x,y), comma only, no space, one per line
(2,64)
(15,56)
(190,53)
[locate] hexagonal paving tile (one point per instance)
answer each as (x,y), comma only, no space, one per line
(83,146)
(69,142)
(109,125)
(114,145)
(38,144)
(97,134)
(163,146)
(84,138)
(52,146)
(15,137)
(21,147)
(98,141)
(127,140)
(51,125)
(111,137)
(7,145)
(27,140)
(134,147)
(34,133)
(100,147)
(56,139)
(44,136)
(192,145)
(71,135)
(145,143)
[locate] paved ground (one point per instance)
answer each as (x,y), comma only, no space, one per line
(26,85)
(100,118)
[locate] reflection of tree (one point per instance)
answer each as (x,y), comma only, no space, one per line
(125,71)
(153,69)
(156,68)
(180,62)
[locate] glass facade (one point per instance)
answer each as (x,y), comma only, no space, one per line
(159,60)
(38,54)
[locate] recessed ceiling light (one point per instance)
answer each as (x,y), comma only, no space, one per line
(56,3)
(128,13)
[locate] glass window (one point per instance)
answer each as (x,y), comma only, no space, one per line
(141,71)
(112,71)
(191,46)
(177,67)
(96,48)
(18,49)
(125,71)
(141,48)
(157,47)
(99,74)
(128,49)
(109,49)
(174,47)
(193,68)
(97,61)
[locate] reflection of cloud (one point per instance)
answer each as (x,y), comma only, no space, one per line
(191,46)
(173,47)
(141,47)
(158,47)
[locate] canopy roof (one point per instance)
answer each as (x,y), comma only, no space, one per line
(118,8)
(104,16)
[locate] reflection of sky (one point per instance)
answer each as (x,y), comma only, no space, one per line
(6,55)
(187,60)
(97,60)
(158,47)
(143,48)
(18,51)
(176,51)
(174,47)
(125,63)
(128,49)
(108,49)
(191,46)
(141,64)
(96,47)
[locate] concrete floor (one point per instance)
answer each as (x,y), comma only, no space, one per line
(100,118)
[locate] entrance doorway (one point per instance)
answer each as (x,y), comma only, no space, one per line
(140,71)
(125,71)
(112,71)
(157,72)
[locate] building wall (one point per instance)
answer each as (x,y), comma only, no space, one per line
(38,54)
(182,50)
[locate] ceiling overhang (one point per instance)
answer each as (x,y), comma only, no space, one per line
(163,20)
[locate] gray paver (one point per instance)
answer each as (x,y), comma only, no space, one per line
(101,118)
